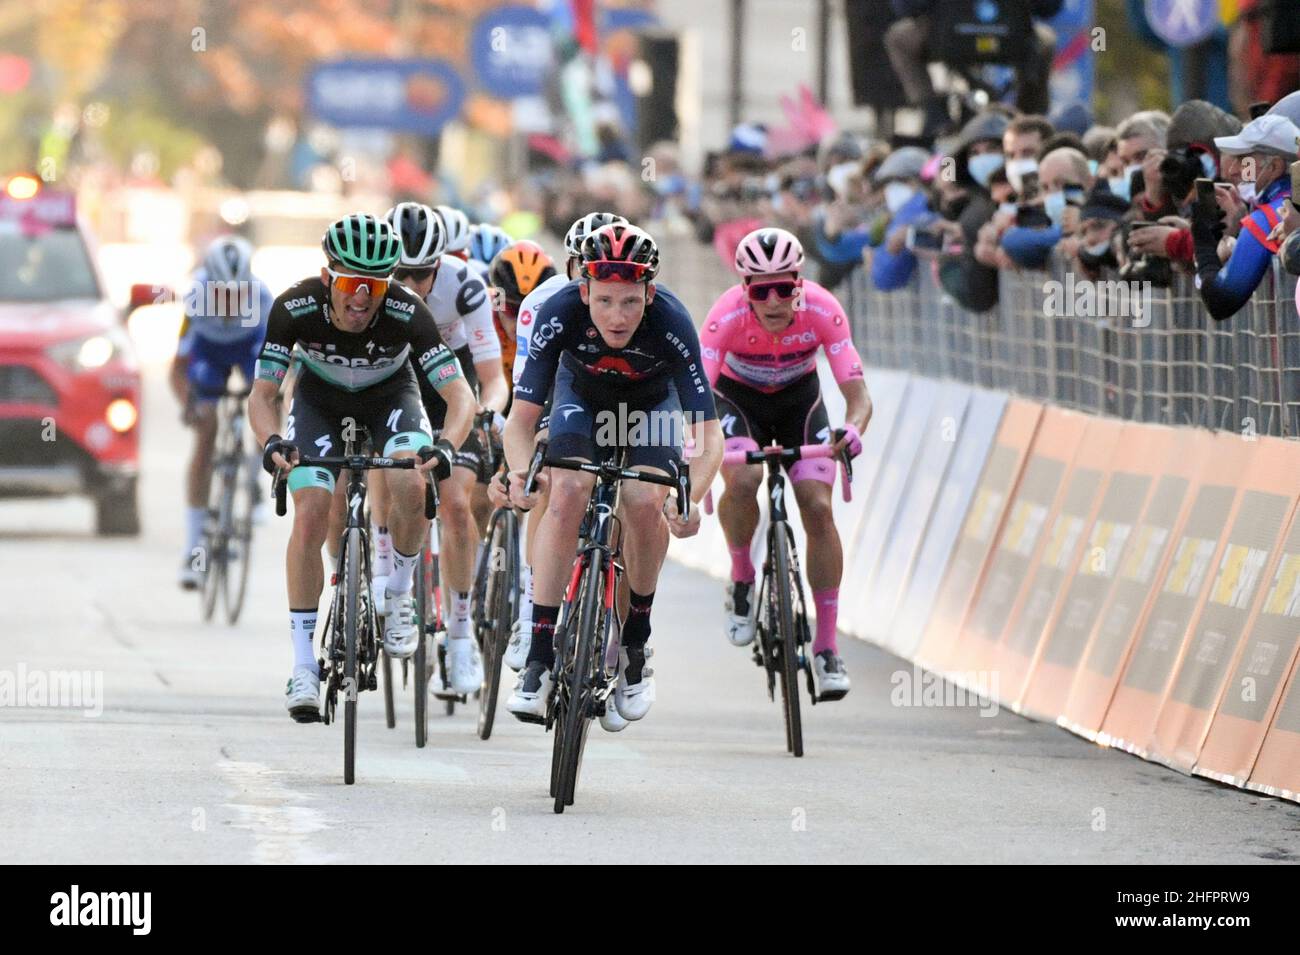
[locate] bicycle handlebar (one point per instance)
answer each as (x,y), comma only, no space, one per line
(361,462)
(789,456)
(681,484)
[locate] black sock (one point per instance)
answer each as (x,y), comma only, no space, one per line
(636,629)
(542,649)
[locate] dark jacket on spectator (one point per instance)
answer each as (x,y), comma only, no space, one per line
(973,284)
(1043,9)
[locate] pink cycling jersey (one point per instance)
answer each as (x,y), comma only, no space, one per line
(733,343)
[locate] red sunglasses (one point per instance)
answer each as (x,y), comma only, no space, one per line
(615,271)
(762,291)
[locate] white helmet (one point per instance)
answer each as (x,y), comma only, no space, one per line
(766,251)
(423,236)
(456,224)
(585,226)
(229,259)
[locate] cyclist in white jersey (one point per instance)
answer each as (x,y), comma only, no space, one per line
(463,313)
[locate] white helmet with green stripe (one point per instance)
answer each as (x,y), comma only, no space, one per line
(363,244)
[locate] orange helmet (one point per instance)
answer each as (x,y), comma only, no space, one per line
(519,269)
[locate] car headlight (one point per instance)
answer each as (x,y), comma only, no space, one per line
(87,354)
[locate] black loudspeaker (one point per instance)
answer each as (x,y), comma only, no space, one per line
(874,82)
(1281,27)
(657,111)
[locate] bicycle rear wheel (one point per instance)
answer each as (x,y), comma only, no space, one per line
(788,643)
(351,629)
(423,618)
(501,602)
(580,677)
(239,542)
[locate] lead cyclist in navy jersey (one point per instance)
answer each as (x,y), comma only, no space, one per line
(616,352)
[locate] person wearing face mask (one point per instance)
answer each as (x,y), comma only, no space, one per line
(1099,220)
(1267,145)
(1022,143)
(1065,180)
(899,177)
(977,162)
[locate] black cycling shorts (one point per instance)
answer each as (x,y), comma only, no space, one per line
(791,417)
(593,425)
(391,411)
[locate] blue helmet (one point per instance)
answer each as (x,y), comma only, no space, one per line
(486,241)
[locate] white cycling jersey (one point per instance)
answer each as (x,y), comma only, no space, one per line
(460,305)
(529,308)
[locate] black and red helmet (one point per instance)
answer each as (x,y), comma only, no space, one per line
(620,253)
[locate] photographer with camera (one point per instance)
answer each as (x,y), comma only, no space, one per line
(1191,154)
(1263,152)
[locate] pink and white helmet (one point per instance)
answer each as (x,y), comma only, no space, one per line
(766,251)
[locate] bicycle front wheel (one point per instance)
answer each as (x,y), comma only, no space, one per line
(580,681)
(239,539)
(352,610)
(788,642)
(501,603)
(423,616)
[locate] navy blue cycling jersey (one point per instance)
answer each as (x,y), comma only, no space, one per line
(665,346)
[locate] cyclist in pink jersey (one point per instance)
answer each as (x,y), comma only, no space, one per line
(759,346)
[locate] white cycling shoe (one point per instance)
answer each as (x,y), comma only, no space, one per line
(634,699)
(521,639)
(464,665)
(378,595)
(401,635)
(830,677)
(302,695)
(612,721)
(189,579)
(740,613)
(528,700)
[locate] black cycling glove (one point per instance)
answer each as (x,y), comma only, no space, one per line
(273,444)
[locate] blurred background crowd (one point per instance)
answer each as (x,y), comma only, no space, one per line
(883,132)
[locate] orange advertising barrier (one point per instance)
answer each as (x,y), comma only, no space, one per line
(1047,580)
(1016,548)
(1277,770)
(980,528)
(1137,460)
(1200,686)
(1253,692)
(1176,606)
(1177,458)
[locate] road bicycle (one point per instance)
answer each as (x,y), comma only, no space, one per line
(350,641)
(588,630)
(226,544)
(783,638)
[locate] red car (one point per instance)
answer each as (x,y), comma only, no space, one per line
(69,381)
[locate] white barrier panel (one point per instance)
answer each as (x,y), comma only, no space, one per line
(907,530)
(974,440)
(865,550)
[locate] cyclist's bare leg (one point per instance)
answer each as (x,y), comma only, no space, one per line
(824,559)
(481,508)
(304,568)
(378,491)
(557,534)
(205,437)
(645,543)
(738,513)
(457,529)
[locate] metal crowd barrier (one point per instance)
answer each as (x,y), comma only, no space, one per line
(1093,349)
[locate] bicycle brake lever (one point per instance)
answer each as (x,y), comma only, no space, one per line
(281,494)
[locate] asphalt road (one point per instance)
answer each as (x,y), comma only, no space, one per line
(193,759)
